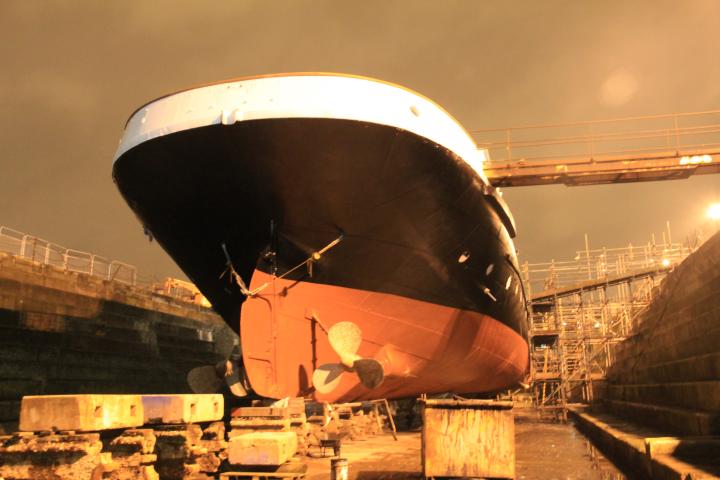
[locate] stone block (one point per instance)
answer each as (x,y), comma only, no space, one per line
(183,408)
(690,395)
(262,448)
(677,420)
(81,413)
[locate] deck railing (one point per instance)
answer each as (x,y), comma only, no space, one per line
(45,252)
(694,132)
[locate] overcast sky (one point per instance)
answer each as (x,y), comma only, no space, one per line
(71,72)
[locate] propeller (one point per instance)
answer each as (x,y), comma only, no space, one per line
(230,372)
(345,339)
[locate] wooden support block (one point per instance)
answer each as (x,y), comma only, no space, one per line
(133,441)
(262,448)
(182,408)
(296,420)
(82,413)
(214,431)
(187,451)
(261,475)
(280,412)
(26,456)
(265,424)
(468,438)
(296,406)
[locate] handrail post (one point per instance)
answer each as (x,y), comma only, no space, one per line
(23,242)
(46,258)
(508,148)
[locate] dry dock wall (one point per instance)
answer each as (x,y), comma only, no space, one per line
(66,332)
(668,373)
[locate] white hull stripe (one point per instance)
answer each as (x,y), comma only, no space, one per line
(301,96)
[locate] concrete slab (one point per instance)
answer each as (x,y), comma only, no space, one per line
(645,453)
(262,448)
(182,408)
(688,448)
(625,448)
(82,413)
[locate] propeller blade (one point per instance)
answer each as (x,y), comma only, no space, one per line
(204,379)
(369,371)
(225,340)
(234,375)
(327,377)
(234,382)
(345,339)
(212,378)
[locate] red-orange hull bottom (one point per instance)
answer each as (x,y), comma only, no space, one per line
(425,348)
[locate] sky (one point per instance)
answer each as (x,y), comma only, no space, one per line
(71,72)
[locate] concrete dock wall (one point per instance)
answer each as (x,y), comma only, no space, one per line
(66,332)
(668,373)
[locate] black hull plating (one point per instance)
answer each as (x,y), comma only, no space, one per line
(415,218)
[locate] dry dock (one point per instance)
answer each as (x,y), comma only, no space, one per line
(167,440)
(544,451)
(653,413)
(72,322)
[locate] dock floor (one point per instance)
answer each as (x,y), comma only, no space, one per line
(544,451)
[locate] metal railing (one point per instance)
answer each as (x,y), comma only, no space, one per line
(604,263)
(633,136)
(43,252)
(47,253)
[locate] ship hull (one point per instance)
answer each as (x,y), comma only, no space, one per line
(412,225)
(423,346)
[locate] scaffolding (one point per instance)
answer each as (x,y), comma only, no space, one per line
(582,307)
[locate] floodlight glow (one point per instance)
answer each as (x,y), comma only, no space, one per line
(713,212)
(666,262)
(695,159)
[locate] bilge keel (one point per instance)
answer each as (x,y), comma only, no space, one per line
(342,225)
